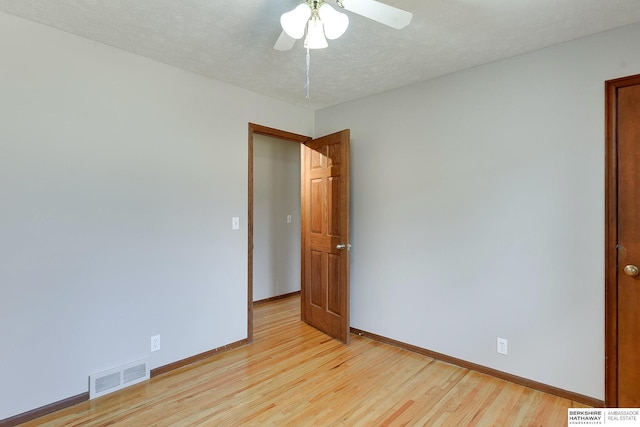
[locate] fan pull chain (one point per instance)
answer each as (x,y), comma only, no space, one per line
(308,63)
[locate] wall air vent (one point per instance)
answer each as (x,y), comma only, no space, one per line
(118,378)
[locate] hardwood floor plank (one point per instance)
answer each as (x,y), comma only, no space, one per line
(293,375)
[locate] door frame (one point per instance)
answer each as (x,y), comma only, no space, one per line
(273,133)
(611,235)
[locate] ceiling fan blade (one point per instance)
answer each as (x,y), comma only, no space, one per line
(380,12)
(284,42)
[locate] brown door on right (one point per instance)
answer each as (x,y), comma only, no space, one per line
(624,128)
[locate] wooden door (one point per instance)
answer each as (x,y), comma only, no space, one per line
(325,234)
(623,241)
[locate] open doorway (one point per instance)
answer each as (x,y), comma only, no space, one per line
(271,164)
(276,218)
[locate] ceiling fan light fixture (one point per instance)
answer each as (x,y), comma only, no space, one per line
(315,35)
(294,22)
(335,23)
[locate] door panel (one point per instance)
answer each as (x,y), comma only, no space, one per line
(325,234)
(334,206)
(316,279)
(333,293)
(317,201)
(622,243)
(628,246)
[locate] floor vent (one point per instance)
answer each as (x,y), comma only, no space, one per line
(118,378)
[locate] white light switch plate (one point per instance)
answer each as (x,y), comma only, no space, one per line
(235,223)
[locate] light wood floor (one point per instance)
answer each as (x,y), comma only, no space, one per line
(293,375)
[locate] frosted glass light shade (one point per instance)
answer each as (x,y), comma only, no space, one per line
(315,35)
(294,22)
(335,23)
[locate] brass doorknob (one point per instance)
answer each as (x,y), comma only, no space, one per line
(631,270)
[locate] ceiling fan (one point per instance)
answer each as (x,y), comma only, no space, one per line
(321,21)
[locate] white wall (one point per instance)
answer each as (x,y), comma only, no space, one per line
(118,180)
(276,253)
(478,210)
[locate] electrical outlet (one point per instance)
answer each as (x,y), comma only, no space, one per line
(502,346)
(155,343)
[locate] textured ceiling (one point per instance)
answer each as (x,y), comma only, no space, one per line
(232,40)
